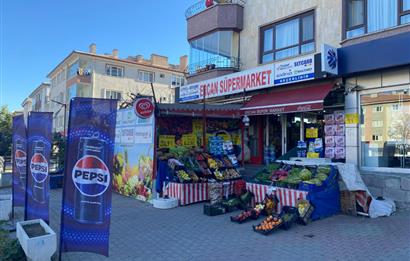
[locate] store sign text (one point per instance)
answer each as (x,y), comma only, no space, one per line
(296,70)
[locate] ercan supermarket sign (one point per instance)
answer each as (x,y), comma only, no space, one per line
(295,70)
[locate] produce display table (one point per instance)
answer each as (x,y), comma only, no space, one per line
(189,193)
(286,197)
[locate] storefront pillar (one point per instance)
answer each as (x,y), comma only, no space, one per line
(283,121)
(267,131)
(302,127)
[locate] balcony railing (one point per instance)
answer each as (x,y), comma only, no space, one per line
(218,62)
(201,6)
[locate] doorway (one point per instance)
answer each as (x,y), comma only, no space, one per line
(255,134)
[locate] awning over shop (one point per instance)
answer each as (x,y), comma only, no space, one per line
(197,110)
(288,100)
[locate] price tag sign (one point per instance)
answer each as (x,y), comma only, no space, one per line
(166,141)
(189,140)
(312,155)
(225,136)
(236,139)
(312,133)
(352,118)
(197,126)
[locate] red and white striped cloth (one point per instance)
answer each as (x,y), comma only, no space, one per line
(188,193)
(286,197)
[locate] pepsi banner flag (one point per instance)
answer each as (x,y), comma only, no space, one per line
(38,156)
(20,161)
(85,218)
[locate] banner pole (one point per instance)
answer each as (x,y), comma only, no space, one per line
(64,182)
(27,167)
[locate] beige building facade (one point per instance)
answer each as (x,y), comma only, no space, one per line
(88,74)
(38,100)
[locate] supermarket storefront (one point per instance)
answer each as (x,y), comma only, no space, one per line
(283,102)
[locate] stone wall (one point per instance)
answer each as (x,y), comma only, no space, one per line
(393,186)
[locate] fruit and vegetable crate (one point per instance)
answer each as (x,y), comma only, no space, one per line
(268,225)
(304,219)
(289,216)
(245,216)
(213,210)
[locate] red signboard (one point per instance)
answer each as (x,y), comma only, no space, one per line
(144,108)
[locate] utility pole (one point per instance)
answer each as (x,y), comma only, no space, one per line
(65,112)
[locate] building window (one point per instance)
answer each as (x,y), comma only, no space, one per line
(395,107)
(377,124)
(215,50)
(114,71)
(162,76)
(177,81)
(385,136)
(112,94)
(145,76)
(72,70)
(366,16)
(288,38)
(378,108)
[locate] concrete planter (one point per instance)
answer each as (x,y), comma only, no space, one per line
(5,206)
(37,248)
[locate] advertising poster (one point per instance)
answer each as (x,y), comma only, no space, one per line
(85,217)
(38,158)
(134,153)
(20,160)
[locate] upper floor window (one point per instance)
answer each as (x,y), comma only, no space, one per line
(145,76)
(287,38)
(218,49)
(112,95)
(378,108)
(366,16)
(72,70)
(115,71)
(177,81)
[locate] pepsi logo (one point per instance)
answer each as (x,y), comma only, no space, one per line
(91,176)
(20,158)
(39,167)
(144,108)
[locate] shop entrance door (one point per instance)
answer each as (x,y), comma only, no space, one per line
(292,131)
(255,133)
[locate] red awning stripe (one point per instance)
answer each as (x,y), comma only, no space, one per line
(288,100)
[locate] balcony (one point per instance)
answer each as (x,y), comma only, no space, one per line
(211,68)
(223,14)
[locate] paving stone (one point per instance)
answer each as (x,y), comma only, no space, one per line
(140,232)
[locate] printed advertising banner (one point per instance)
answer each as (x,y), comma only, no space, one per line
(85,217)
(134,153)
(38,157)
(20,160)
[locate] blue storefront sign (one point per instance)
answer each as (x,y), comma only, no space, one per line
(38,158)
(85,219)
(295,70)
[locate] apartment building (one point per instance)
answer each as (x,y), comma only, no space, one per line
(38,100)
(291,62)
(89,74)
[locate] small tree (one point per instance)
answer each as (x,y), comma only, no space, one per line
(5,131)
(59,147)
(399,131)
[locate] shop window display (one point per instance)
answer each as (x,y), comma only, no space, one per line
(387,144)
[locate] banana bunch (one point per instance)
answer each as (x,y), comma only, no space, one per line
(259,207)
(182,175)
(219,175)
(212,163)
(302,206)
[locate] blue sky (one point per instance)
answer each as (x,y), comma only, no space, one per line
(35,35)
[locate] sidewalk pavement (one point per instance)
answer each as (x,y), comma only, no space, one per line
(140,232)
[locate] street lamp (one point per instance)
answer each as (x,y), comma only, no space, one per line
(63,105)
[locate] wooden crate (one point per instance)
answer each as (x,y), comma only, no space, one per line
(348,202)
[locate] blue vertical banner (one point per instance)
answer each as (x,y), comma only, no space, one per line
(39,142)
(19,160)
(85,217)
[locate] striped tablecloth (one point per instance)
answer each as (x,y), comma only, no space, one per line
(189,193)
(286,197)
